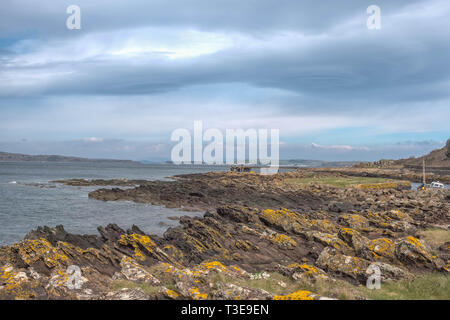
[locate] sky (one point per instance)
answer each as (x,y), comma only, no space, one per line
(139,69)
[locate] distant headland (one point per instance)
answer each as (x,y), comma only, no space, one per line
(6,156)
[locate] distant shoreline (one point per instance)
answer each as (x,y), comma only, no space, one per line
(18,157)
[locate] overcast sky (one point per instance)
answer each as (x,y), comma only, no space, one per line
(138,69)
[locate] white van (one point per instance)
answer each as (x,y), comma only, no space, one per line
(437,185)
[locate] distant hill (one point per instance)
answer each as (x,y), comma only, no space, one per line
(301,163)
(6,156)
(436,158)
(318,163)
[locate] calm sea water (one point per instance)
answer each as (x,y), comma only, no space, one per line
(28,199)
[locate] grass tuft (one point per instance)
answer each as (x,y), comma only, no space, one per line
(435,237)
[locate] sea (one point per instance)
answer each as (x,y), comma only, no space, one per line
(29,198)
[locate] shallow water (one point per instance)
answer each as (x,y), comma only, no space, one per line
(28,199)
(415,185)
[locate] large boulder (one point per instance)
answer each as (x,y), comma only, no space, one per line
(353,238)
(333,261)
(413,251)
(381,249)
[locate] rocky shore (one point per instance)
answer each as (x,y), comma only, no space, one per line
(100,182)
(261,237)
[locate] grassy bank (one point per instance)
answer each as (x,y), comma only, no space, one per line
(426,287)
(435,237)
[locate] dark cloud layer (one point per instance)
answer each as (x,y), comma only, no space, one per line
(279,61)
(45,17)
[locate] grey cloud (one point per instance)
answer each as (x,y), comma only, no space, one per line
(358,153)
(105,149)
(285,60)
(404,63)
(47,17)
(146,150)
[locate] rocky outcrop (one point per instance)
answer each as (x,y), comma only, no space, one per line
(213,190)
(243,238)
(101,182)
(230,243)
(209,191)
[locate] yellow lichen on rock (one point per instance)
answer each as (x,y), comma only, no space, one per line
(398,215)
(323,225)
(216,265)
(212,238)
(138,242)
(243,245)
(306,268)
(196,295)
(171,294)
(348,231)
(446,267)
(13,283)
(413,250)
(354,221)
(414,241)
(194,243)
(283,240)
(379,248)
(284,218)
(335,262)
(31,251)
(248,230)
(297,295)
(330,240)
